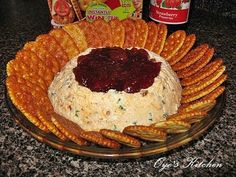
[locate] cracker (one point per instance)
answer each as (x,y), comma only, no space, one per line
(66,42)
(35,65)
(173,43)
(44,55)
(152,36)
(92,37)
(202,73)
(77,35)
(23,100)
(104,30)
(117,32)
(130,33)
(145,132)
(214,94)
(10,69)
(205,91)
(205,105)
(173,126)
(54,48)
(187,45)
(194,68)
(141,33)
(68,128)
(193,56)
(189,117)
(97,138)
(121,138)
(203,83)
(45,118)
(161,38)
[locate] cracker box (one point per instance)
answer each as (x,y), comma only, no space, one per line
(68,11)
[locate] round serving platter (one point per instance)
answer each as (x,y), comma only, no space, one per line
(148,148)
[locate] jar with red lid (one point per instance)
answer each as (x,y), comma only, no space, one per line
(175,13)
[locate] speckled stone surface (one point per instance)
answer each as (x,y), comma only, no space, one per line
(22,155)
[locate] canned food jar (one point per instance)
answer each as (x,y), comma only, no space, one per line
(169,11)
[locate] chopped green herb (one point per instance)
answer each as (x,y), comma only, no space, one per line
(165,115)
(77,113)
(118,100)
(150,119)
(122,108)
(135,123)
(114,127)
(163,102)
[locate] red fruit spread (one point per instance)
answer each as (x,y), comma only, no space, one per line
(128,70)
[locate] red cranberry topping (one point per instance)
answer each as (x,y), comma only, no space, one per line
(116,68)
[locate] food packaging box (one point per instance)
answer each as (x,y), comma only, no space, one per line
(69,11)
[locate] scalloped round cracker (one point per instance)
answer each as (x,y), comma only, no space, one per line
(66,42)
(185,48)
(194,68)
(203,83)
(205,105)
(54,48)
(141,33)
(130,33)
(173,126)
(121,138)
(145,132)
(117,32)
(45,118)
(205,91)
(92,37)
(77,35)
(214,94)
(152,36)
(23,100)
(103,29)
(161,38)
(189,117)
(97,138)
(68,128)
(193,56)
(202,73)
(173,44)
(44,55)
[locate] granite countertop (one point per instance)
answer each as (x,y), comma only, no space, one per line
(22,155)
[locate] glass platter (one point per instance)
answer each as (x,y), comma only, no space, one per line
(147,149)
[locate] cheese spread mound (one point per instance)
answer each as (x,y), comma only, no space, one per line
(115,109)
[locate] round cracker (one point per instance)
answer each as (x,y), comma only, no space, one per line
(54,48)
(205,91)
(202,73)
(141,33)
(68,128)
(103,29)
(173,43)
(194,68)
(193,56)
(203,83)
(161,38)
(145,132)
(185,48)
(92,37)
(152,36)
(130,33)
(66,42)
(121,138)
(117,32)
